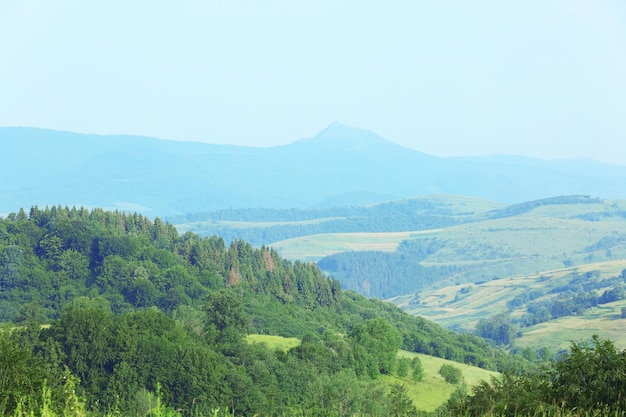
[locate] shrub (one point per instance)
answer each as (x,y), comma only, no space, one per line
(451,374)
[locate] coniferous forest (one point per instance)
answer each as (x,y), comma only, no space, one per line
(109,313)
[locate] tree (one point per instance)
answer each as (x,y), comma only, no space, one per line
(21,375)
(591,375)
(403,367)
(418,370)
(381,340)
(225,321)
(497,328)
(451,374)
(399,402)
(11,259)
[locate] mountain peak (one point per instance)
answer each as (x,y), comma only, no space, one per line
(338,130)
(340,136)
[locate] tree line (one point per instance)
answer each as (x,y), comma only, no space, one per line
(131,310)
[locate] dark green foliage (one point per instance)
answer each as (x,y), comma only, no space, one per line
(614,294)
(226,322)
(509,395)
(451,374)
(109,284)
(591,375)
(572,298)
(497,328)
(388,273)
(516,209)
(590,379)
(400,403)
(376,343)
(22,375)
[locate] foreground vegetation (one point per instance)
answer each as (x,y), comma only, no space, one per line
(131,308)
(589,381)
(142,321)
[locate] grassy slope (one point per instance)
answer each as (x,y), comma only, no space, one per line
(433,391)
(427,395)
(315,247)
(604,320)
(448,306)
(520,251)
(274,342)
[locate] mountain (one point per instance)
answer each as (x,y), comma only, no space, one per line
(340,165)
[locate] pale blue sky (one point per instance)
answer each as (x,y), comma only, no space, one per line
(541,78)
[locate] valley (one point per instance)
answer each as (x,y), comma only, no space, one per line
(472,268)
(318,291)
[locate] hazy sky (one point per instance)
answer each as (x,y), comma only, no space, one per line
(541,78)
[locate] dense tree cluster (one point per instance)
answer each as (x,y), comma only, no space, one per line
(132,308)
(394,216)
(56,254)
(120,358)
(388,273)
(589,380)
(520,208)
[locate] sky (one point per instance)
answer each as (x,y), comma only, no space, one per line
(542,78)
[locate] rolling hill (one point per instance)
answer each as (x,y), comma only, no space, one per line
(339,166)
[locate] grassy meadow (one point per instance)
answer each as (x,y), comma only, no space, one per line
(274,342)
(461,306)
(314,247)
(427,395)
(498,253)
(433,391)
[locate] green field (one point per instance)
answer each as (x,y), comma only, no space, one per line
(314,247)
(604,321)
(461,306)
(496,254)
(274,342)
(433,390)
(427,395)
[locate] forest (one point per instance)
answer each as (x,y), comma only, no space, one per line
(110,313)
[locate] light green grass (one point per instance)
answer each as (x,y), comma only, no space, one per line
(604,320)
(274,342)
(205,227)
(427,395)
(450,307)
(433,391)
(315,247)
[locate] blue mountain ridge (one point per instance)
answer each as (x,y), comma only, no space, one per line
(340,165)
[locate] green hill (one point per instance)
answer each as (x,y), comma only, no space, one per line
(132,308)
(519,240)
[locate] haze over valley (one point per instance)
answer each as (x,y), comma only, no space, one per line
(314,209)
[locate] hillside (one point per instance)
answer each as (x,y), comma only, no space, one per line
(128,302)
(525,238)
(339,166)
(263,226)
(556,265)
(533,300)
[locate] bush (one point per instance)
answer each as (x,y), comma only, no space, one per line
(451,374)
(418,369)
(403,367)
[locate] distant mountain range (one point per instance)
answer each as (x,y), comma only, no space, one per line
(340,166)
